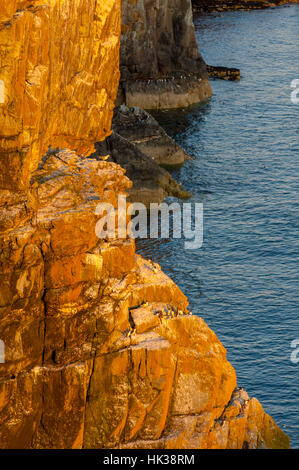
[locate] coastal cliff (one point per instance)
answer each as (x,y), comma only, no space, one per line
(100,349)
(159,60)
(160,68)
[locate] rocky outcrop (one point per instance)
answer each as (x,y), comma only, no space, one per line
(142,130)
(224,73)
(224,5)
(140,145)
(159,59)
(100,349)
(160,68)
(151,183)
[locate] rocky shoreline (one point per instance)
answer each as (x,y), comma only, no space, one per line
(151,183)
(101,350)
(161,68)
(230,5)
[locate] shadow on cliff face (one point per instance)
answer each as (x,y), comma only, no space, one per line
(142,130)
(160,64)
(151,183)
(161,68)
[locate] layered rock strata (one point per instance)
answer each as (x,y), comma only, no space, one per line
(100,349)
(55,68)
(151,183)
(159,59)
(142,130)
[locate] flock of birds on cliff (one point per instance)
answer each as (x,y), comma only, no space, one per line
(166,313)
(244,405)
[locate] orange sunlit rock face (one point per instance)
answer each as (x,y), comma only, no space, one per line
(59,69)
(100,350)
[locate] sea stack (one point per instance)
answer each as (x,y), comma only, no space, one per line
(159,60)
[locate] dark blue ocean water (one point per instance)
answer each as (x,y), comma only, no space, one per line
(245,148)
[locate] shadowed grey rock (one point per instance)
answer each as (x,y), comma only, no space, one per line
(159,59)
(142,130)
(151,183)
